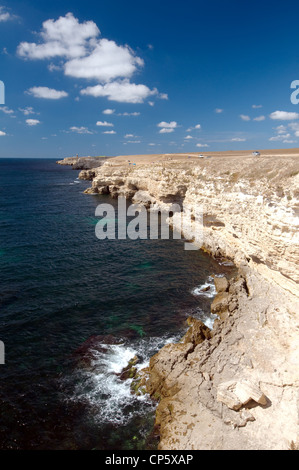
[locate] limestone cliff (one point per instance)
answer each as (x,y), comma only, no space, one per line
(238,386)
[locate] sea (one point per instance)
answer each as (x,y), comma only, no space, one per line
(74,310)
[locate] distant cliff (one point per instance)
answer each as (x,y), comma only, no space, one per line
(83,163)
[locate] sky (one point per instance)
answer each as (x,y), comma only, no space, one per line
(115,78)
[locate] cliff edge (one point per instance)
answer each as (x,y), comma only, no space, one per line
(235,387)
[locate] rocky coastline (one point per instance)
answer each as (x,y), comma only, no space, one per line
(235,387)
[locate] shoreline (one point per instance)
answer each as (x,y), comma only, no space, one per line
(236,388)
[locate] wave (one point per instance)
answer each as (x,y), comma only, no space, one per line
(104,392)
(207,289)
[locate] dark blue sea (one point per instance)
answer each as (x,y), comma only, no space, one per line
(74,310)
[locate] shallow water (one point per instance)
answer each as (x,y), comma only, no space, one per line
(59,286)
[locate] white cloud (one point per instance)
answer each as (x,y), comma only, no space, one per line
(65,37)
(5,15)
(166,130)
(188,137)
(129,114)
(280,129)
(106,62)
(202,145)
(259,118)
(295,127)
(257,106)
(197,126)
(280,137)
(54,68)
(83,54)
(218,110)
(284,116)
(86,55)
(109,132)
(244,117)
(6,110)
(128,136)
(238,139)
(134,141)
(46,93)
(27,111)
(290,141)
(2,133)
(122,91)
(80,130)
(105,124)
(109,111)
(32,122)
(168,125)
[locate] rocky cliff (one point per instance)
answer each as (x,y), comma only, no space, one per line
(237,386)
(83,163)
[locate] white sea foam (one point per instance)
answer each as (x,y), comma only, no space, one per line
(102,389)
(206,290)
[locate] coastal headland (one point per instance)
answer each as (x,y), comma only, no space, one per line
(236,386)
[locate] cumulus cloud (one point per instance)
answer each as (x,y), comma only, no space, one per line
(27,111)
(109,111)
(284,116)
(257,106)
(105,124)
(80,130)
(32,122)
(6,110)
(218,111)
(168,125)
(259,118)
(294,126)
(188,137)
(2,134)
(106,62)
(65,37)
(238,139)
(166,130)
(46,93)
(244,117)
(109,132)
(5,15)
(202,145)
(83,54)
(122,91)
(197,126)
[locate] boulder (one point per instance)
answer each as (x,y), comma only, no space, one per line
(221,284)
(235,394)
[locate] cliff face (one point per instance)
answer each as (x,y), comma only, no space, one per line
(238,386)
(83,163)
(251,207)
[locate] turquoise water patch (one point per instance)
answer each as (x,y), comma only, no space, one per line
(147,265)
(138,330)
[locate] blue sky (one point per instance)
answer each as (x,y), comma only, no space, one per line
(112,78)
